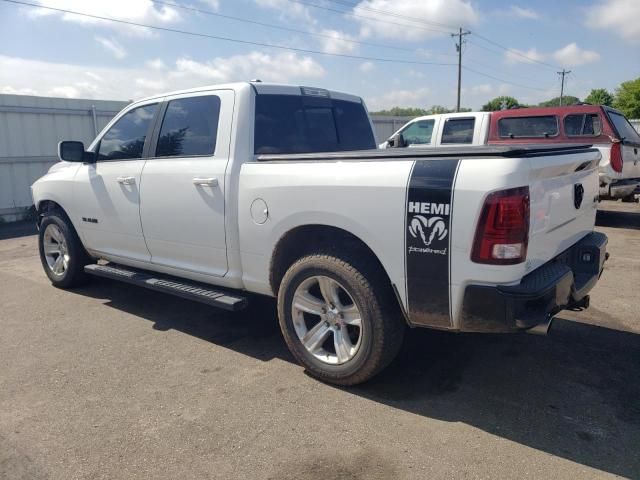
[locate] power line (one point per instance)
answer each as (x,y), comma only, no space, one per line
(444,25)
(515,52)
(228,39)
(502,80)
(279,27)
(350,14)
(393,14)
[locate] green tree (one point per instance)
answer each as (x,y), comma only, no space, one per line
(566,100)
(500,103)
(627,98)
(416,111)
(599,96)
(402,112)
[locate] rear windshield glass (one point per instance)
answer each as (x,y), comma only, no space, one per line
(539,126)
(301,124)
(624,128)
(583,124)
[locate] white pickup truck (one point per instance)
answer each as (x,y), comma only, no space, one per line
(218,192)
(605,128)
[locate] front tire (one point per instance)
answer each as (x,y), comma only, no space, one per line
(339,318)
(62,255)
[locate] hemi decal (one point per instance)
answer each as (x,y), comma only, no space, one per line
(429,198)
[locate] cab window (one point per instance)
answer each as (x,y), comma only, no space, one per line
(583,125)
(125,139)
(418,133)
(189,127)
(458,131)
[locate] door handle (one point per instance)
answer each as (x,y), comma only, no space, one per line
(205,182)
(126,180)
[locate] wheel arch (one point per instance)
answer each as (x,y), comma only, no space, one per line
(313,238)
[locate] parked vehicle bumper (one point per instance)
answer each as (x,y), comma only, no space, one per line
(619,188)
(562,283)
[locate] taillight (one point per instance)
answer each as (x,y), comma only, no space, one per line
(615,158)
(503,230)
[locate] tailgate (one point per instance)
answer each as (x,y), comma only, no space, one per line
(564,198)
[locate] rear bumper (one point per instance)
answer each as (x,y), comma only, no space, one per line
(619,188)
(563,282)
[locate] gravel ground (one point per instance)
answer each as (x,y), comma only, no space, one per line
(111,381)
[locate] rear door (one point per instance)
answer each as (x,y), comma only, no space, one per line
(456,131)
(183,183)
(630,144)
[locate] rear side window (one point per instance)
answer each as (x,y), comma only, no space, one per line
(623,127)
(458,131)
(583,125)
(540,126)
(301,124)
(418,133)
(189,127)
(125,139)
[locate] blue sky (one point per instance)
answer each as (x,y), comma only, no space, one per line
(518,46)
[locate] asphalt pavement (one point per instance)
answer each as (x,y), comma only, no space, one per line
(116,382)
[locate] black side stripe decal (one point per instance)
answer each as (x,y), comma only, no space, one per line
(427,241)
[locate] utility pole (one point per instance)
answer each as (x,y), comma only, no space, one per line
(562,75)
(460,34)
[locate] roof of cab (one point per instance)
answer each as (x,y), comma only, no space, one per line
(260,88)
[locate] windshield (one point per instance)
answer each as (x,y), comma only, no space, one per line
(304,124)
(623,127)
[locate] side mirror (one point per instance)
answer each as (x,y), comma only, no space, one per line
(72,151)
(397,141)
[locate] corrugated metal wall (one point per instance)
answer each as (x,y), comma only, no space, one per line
(385,126)
(30,129)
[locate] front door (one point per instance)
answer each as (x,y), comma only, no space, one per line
(107,192)
(183,184)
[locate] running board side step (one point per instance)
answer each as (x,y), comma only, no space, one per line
(198,292)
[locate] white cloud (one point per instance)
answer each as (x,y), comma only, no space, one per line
(572,55)
(518,56)
(112,46)
(618,16)
(214,4)
(366,67)
(282,67)
(156,64)
(334,42)
(288,10)
(449,12)
(522,12)
(419,97)
(139,11)
(19,75)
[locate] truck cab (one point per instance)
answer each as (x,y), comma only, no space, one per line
(442,130)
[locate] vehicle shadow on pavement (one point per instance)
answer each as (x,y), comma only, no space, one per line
(614,219)
(574,394)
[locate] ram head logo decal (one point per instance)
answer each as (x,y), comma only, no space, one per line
(428,229)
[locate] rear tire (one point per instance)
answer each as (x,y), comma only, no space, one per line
(61,252)
(339,318)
